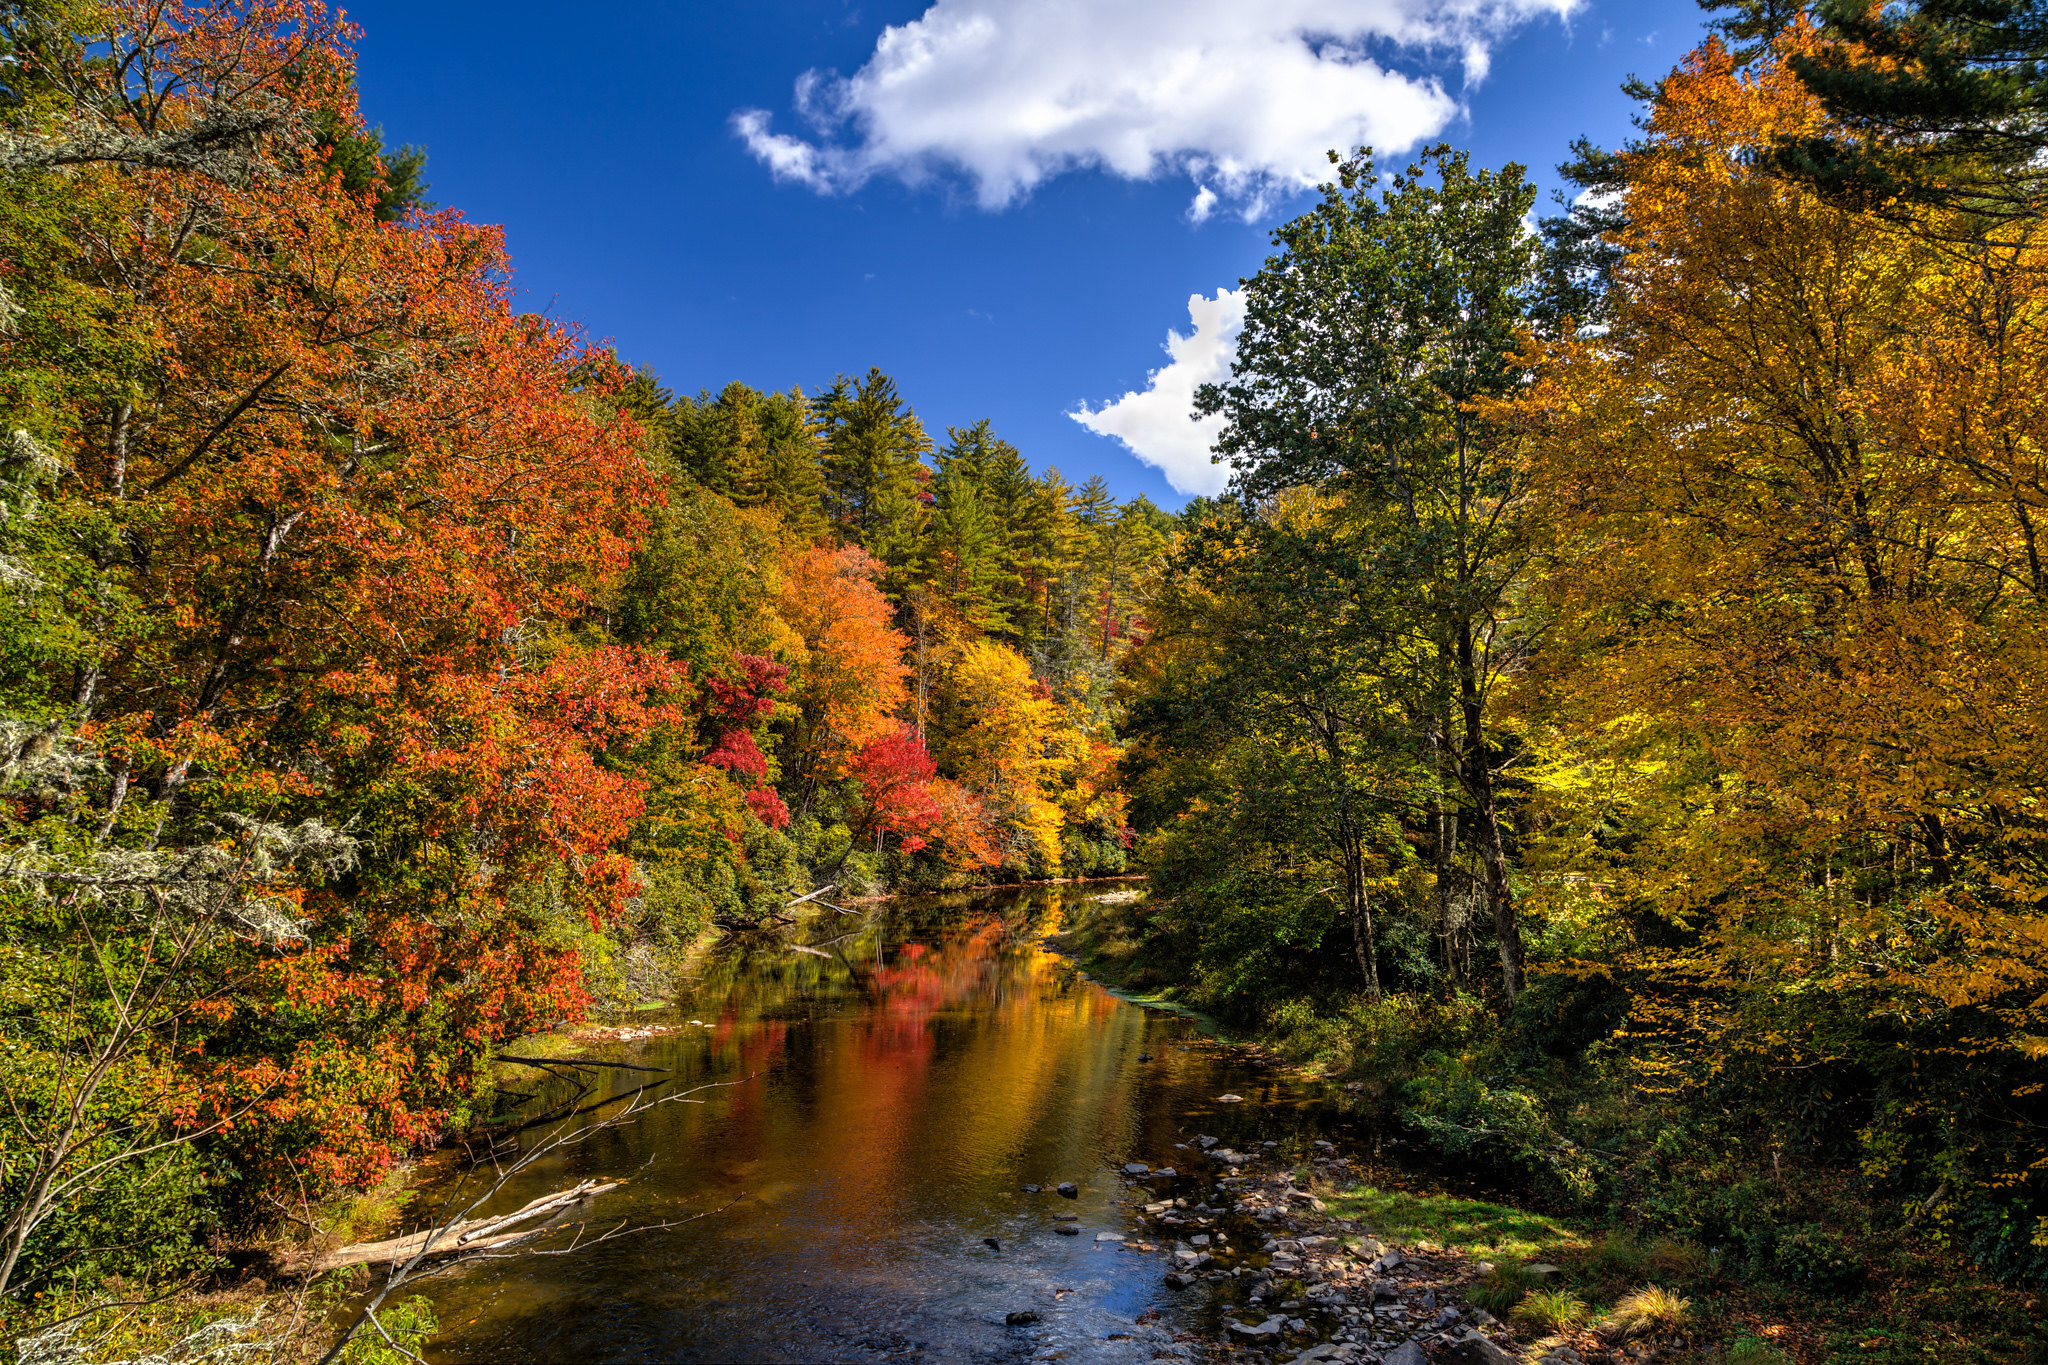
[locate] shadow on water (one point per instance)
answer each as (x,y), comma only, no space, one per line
(889,1100)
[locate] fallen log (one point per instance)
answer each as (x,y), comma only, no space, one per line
(475,1234)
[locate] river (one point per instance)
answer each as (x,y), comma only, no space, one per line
(883,1107)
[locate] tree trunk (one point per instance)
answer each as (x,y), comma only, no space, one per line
(1359,909)
(1478,775)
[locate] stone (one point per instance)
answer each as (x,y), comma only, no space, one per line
(1069,1189)
(1385,1291)
(1158,1208)
(1067,1230)
(1306,1200)
(1323,1146)
(1544,1271)
(1176,1280)
(1353,1087)
(1390,1259)
(1407,1353)
(1167,1173)
(1230,1099)
(1033,1189)
(1136,1168)
(1019,1318)
(1474,1349)
(1265,1331)
(1109,1236)
(1205,1142)
(1200,1239)
(1066,1218)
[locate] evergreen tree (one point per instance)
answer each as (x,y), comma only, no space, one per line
(874,449)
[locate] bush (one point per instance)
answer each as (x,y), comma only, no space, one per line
(1750,1351)
(1460,1114)
(1813,1257)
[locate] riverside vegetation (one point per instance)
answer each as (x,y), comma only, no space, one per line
(1603,718)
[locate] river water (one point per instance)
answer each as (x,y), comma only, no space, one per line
(884,1106)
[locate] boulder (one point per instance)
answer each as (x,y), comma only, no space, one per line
(1544,1271)
(1474,1349)
(1069,1189)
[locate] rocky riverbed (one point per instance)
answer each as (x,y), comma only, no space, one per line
(1290,1279)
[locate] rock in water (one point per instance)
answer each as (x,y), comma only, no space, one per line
(1032,1189)
(1019,1318)
(1167,1173)
(992,1244)
(1068,1188)
(1230,1099)
(1067,1230)
(1136,1168)
(1265,1331)
(1109,1236)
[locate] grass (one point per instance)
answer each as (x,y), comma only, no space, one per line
(1550,1310)
(1481,1229)
(1647,1311)
(1503,1288)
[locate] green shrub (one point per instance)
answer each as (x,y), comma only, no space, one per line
(1813,1257)
(1461,1115)
(1750,1351)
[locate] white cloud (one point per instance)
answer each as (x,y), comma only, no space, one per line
(1159,425)
(1244,95)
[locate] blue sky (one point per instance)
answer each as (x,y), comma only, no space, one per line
(1033,268)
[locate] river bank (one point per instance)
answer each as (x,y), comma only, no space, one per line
(1774,1262)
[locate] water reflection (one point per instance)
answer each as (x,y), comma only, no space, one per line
(889,1094)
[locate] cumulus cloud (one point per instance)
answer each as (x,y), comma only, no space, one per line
(1246,97)
(1159,425)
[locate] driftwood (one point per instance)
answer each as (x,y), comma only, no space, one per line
(475,1234)
(579,1061)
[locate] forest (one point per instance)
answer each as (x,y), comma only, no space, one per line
(1603,716)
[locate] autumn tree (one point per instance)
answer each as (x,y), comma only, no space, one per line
(1370,339)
